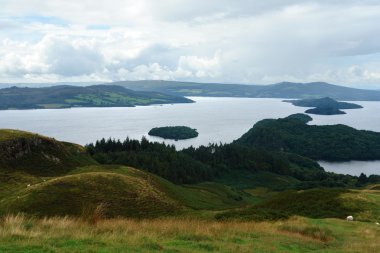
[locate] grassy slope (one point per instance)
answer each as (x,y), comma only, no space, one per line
(20,234)
(81,194)
(204,196)
(363,204)
(120,191)
(245,179)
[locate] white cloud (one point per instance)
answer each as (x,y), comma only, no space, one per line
(217,40)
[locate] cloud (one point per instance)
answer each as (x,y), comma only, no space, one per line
(70,58)
(214,41)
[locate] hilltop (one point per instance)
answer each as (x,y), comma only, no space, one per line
(278,90)
(65,96)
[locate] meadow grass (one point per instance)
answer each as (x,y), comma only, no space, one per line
(19,233)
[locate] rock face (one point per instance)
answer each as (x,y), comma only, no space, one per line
(17,148)
(37,154)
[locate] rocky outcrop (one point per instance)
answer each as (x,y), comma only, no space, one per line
(39,155)
(19,147)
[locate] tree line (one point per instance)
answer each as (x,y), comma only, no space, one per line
(205,163)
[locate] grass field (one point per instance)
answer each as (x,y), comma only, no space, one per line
(20,234)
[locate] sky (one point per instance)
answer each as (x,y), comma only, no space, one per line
(228,41)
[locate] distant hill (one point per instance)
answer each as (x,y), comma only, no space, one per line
(40,85)
(332,142)
(279,90)
(65,96)
(324,106)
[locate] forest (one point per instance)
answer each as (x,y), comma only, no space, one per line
(207,163)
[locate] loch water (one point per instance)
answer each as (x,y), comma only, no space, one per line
(216,119)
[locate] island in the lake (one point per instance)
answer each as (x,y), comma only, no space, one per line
(174,132)
(324,106)
(292,134)
(65,96)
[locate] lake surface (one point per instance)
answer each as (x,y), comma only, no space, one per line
(216,119)
(353,167)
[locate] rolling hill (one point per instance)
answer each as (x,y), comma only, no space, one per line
(279,90)
(65,96)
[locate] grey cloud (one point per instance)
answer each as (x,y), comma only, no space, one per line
(66,60)
(164,54)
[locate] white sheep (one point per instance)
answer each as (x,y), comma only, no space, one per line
(350,218)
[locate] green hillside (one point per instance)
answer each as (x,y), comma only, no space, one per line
(62,234)
(331,142)
(75,195)
(363,204)
(65,96)
(114,191)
